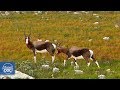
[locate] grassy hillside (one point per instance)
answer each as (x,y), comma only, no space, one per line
(70,30)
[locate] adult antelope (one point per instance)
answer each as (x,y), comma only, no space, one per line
(77,53)
(40,46)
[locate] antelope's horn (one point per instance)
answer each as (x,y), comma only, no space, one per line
(24,33)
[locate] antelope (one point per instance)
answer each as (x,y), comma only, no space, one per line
(77,53)
(40,46)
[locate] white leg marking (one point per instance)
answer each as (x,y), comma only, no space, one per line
(88,64)
(97,64)
(64,62)
(76,64)
(53,58)
(35,59)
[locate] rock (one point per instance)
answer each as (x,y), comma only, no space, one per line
(106,38)
(101,76)
(56,70)
(17,75)
(116,25)
(76,67)
(95,23)
(45,66)
(108,70)
(78,71)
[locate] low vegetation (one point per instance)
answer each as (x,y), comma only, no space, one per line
(69,29)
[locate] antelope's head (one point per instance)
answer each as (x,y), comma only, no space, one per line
(27,38)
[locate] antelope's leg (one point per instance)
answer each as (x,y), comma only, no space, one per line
(87,60)
(64,62)
(76,62)
(95,61)
(72,63)
(53,58)
(34,56)
(97,64)
(88,63)
(51,51)
(67,58)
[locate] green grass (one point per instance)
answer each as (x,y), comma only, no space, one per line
(68,72)
(69,30)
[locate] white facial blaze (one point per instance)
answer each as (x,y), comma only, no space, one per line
(26,40)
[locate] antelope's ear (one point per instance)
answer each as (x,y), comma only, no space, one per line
(30,33)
